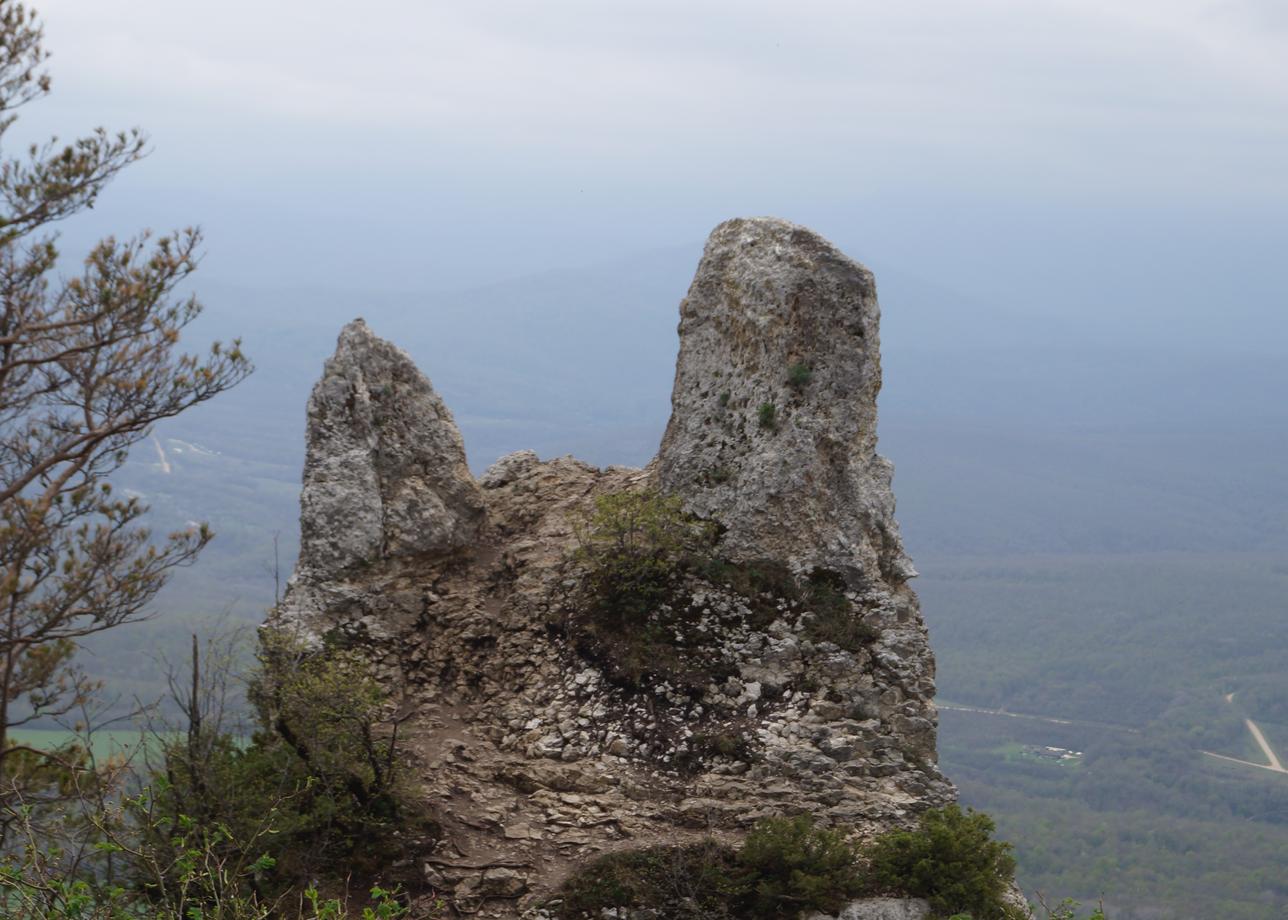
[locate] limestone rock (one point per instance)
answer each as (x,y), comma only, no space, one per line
(881,909)
(500,882)
(527,745)
(509,468)
(773,415)
(385,472)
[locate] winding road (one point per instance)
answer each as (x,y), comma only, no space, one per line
(161,457)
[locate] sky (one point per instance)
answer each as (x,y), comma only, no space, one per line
(1100,156)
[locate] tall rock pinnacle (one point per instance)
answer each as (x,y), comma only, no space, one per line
(774,419)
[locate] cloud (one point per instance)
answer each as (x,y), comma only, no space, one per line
(1151,96)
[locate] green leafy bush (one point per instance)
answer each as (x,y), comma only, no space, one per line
(951,860)
(317,790)
(767,416)
(701,880)
(797,867)
(1068,909)
(176,868)
(633,545)
(631,613)
(764,583)
(786,867)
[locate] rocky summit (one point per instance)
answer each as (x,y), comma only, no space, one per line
(783,669)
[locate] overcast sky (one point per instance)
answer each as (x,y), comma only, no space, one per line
(422,144)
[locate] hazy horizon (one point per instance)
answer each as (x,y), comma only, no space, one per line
(1121,171)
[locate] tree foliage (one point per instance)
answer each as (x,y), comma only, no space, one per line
(215,824)
(951,860)
(89,362)
(315,783)
(786,867)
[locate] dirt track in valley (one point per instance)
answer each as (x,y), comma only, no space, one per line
(1274,765)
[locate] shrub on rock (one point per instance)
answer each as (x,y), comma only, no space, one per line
(951,860)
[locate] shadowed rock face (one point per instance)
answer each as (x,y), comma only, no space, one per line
(774,411)
(530,751)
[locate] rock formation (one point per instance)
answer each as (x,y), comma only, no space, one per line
(385,475)
(773,425)
(814,687)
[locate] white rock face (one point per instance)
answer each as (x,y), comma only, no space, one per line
(881,909)
(385,480)
(774,419)
(385,473)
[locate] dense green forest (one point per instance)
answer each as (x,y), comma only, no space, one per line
(1145,823)
(1145,650)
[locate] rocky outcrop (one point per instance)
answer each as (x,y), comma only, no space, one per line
(810,691)
(773,425)
(881,909)
(385,472)
(385,475)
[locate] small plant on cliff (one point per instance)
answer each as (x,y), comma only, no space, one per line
(767,416)
(951,860)
(786,867)
(834,618)
(799,867)
(799,375)
(633,548)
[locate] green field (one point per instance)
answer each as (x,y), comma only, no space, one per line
(114,743)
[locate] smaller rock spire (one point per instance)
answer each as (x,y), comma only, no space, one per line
(385,472)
